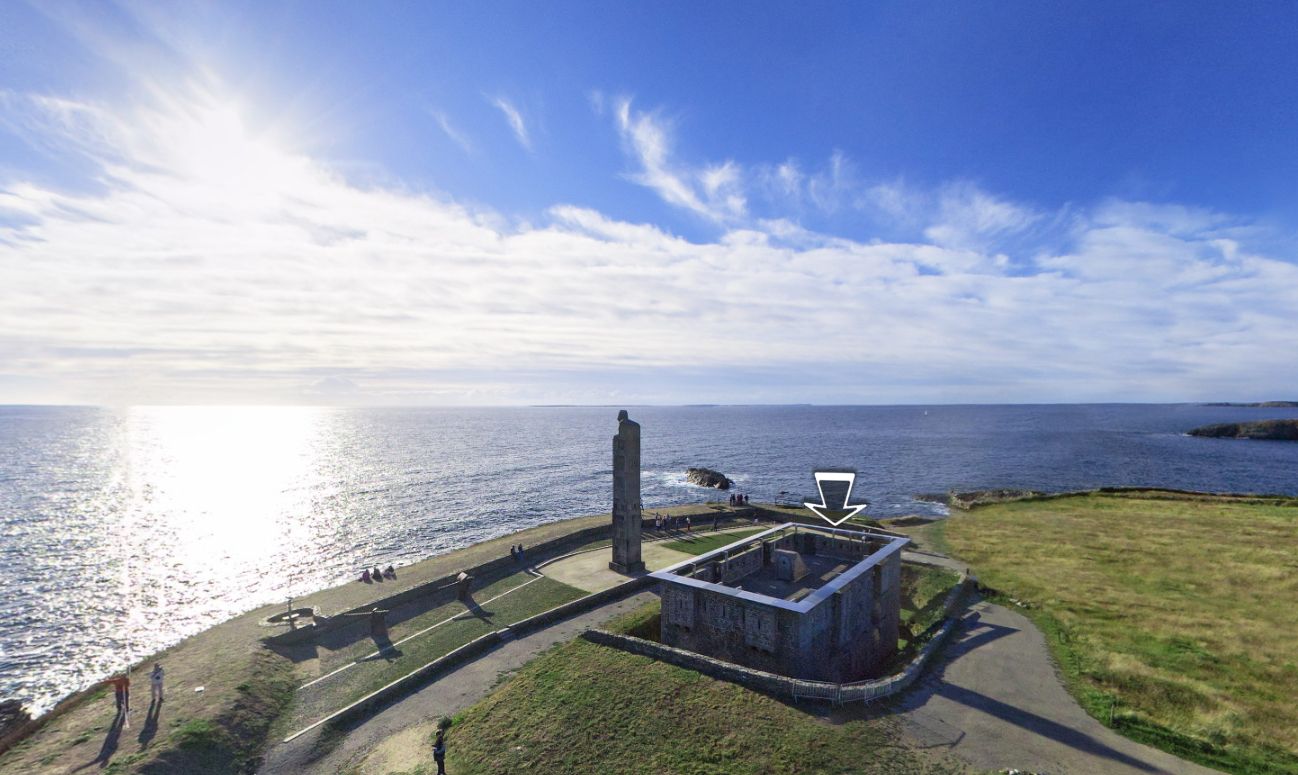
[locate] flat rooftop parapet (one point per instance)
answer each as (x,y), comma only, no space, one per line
(825,576)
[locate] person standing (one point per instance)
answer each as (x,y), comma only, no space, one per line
(439,751)
(155,683)
(122,692)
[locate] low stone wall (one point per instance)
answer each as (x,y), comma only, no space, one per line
(798,689)
(440,587)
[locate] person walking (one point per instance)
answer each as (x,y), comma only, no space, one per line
(155,683)
(439,751)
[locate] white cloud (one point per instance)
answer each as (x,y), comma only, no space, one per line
(451,131)
(970,217)
(515,120)
(214,264)
(713,191)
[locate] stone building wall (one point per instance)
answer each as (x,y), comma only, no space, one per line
(846,637)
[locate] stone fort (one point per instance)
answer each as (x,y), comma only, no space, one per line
(805,601)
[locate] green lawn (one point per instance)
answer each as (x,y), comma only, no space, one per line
(582,708)
(1178,616)
(702,543)
(319,700)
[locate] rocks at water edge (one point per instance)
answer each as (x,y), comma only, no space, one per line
(1268,430)
(706,477)
(13,717)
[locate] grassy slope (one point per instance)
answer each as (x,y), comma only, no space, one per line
(923,591)
(583,708)
(1177,614)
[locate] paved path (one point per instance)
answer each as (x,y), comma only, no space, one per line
(399,731)
(995,700)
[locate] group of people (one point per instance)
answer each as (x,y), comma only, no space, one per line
(517,553)
(672,523)
(738,500)
(368,575)
(122,687)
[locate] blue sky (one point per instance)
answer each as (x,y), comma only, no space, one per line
(617,202)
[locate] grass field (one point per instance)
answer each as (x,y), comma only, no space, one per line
(523,600)
(582,708)
(703,543)
(1173,619)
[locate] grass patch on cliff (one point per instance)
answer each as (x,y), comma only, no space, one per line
(584,708)
(1172,619)
(923,592)
(233,740)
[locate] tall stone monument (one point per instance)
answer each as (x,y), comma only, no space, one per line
(626,496)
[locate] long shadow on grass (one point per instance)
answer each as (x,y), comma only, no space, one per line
(974,634)
(386,650)
(109,747)
(475,610)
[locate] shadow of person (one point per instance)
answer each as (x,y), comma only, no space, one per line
(475,609)
(386,650)
(109,747)
(150,728)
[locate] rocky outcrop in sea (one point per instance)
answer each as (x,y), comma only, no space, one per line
(706,477)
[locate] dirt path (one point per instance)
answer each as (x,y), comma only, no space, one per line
(397,736)
(995,700)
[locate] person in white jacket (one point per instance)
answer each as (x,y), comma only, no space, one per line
(155,681)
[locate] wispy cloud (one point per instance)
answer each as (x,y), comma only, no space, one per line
(451,131)
(713,191)
(515,120)
(215,264)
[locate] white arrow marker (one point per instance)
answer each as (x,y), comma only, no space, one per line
(834,476)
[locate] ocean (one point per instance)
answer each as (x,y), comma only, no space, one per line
(124,531)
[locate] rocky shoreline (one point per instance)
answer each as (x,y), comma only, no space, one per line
(1265,430)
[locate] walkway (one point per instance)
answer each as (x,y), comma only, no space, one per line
(995,700)
(386,741)
(589,570)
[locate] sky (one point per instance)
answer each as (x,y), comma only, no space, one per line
(618,203)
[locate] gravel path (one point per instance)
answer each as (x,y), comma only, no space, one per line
(995,700)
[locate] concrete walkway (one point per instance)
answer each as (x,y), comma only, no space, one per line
(995,700)
(396,738)
(589,571)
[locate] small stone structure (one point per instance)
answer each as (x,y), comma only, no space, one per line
(803,601)
(626,497)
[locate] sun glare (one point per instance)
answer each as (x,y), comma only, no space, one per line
(210,143)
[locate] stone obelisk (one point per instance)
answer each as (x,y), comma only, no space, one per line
(626,497)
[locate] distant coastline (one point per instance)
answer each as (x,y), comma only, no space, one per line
(1258,404)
